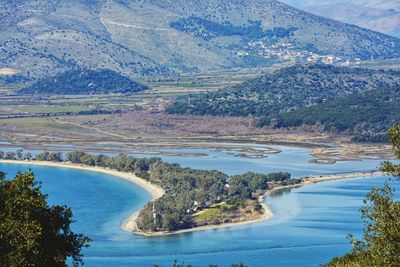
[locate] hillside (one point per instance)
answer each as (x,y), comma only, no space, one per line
(378,15)
(158,37)
(84,82)
(367,115)
(285,90)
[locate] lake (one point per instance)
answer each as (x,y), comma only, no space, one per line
(309,227)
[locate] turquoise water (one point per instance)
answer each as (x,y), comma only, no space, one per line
(291,159)
(309,227)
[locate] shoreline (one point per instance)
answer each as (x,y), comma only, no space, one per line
(130,225)
(154,190)
(268,214)
(329,149)
(325,178)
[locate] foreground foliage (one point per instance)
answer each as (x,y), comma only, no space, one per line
(381,215)
(32,233)
(394,137)
(381,244)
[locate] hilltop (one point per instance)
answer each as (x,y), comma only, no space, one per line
(84,82)
(163,37)
(285,90)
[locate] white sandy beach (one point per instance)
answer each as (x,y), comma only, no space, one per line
(155,190)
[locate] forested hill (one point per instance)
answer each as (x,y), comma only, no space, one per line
(285,90)
(84,82)
(366,115)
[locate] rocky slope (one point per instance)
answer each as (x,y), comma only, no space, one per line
(153,37)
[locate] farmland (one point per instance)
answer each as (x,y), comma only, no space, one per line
(139,118)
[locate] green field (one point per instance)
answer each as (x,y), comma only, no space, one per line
(35,109)
(217,211)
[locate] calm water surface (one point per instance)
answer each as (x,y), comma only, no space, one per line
(291,159)
(310,224)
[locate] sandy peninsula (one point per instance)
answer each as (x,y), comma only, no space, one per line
(130,224)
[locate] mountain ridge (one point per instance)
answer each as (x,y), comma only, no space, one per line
(381,16)
(138,38)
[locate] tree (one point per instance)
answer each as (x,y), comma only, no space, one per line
(43,156)
(10,155)
(394,137)
(33,233)
(28,156)
(381,216)
(55,157)
(381,244)
(1,154)
(19,154)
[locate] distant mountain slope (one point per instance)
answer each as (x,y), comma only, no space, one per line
(41,38)
(285,90)
(368,114)
(151,37)
(84,82)
(378,15)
